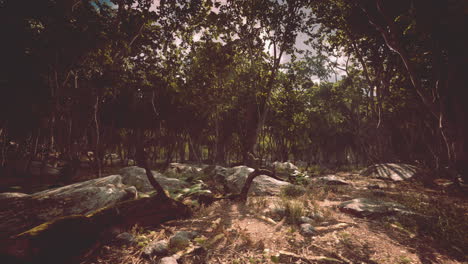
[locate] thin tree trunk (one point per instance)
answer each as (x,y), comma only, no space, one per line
(142,161)
(97,157)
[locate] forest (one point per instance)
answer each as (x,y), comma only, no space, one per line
(292,90)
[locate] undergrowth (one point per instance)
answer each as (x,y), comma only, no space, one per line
(445,223)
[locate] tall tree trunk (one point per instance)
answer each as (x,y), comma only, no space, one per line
(97,154)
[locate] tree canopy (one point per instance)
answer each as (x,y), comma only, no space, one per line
(212,81)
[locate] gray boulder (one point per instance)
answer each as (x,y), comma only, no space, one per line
(261,185)
(20,213)
(284,169)
(390,171)
(364,207)
(217,177)
(136,176)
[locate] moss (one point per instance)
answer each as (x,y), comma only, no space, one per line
(56,223)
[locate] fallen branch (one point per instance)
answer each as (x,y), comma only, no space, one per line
(67,239)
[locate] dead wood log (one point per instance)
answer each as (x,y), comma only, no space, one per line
(67,239)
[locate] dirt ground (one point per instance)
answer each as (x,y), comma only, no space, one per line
(230,232)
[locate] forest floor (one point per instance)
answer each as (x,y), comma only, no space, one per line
(231,232)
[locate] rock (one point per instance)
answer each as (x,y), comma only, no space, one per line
(156,248)
(364,207)
(214,170)
(284,169)
(261,185)
(305,220)
(275,212)
(390,171)
(217,176)
(184,169)
(168,260)
(18,214)
(232,180)
(10,195)
(331,180)
(125,238)
(307,230)
(136,176)
(181,239)
(318,216)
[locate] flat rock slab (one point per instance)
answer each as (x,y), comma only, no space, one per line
(390,171)
(136,176)
(22,212)
(331,180)
(364,207)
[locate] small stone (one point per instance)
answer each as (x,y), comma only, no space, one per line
(181,239)
(168,260)
(125,238)
(156,248)
(307,230)
(305,220)
(317,216)
(275,212)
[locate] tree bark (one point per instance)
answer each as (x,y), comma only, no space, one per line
(142,161)
(67,239)
(248,182)
(97,156)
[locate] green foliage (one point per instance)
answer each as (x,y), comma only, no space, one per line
(213,79)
